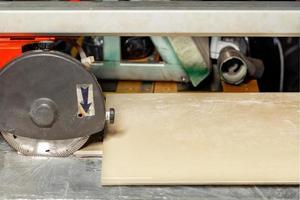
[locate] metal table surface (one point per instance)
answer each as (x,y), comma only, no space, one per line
(79,178)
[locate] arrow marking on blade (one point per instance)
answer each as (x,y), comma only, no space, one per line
(85,97)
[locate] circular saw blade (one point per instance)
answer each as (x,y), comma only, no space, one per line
(38,147)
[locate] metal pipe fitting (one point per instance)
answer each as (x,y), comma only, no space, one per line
(234,66)
(255,67)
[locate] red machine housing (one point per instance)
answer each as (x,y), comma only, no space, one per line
(11,47)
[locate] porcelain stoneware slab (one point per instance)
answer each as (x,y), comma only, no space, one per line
(202,138)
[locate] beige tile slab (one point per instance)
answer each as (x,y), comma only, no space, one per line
(203,138)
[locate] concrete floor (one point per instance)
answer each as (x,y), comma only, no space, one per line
(79,178)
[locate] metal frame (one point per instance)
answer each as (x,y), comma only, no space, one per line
(173,68)
(196,18)
(113,68)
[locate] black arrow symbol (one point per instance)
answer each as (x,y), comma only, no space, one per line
(85,96)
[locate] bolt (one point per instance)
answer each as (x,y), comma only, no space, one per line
(183,79)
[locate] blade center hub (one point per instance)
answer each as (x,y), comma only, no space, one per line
(43,112)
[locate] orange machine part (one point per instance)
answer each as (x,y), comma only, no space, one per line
(11,47)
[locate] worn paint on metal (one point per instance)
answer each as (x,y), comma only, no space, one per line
(191,58)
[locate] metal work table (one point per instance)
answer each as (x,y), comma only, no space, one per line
(79,178)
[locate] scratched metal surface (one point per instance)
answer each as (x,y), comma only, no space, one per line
(74,178)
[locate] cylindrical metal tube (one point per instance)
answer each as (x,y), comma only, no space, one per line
(232,65)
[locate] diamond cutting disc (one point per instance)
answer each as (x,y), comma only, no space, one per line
(38,147)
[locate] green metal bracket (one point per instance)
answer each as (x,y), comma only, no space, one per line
(183,51)
(165,50)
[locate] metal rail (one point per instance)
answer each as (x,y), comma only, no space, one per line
(151,18)
(139,71)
